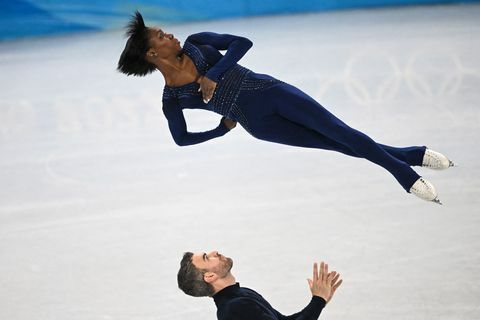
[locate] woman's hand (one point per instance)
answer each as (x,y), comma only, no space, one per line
(324,284)
(207,87)
(229,123)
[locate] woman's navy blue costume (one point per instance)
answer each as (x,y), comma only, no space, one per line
(270,109)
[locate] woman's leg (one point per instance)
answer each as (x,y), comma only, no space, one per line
(297,135)
(411,155)
(298,107)
(275,128)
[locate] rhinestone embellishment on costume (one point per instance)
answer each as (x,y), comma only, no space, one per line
(197,57)
(228,89)
(185,91)
(231,84)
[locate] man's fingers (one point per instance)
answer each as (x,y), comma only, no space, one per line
(310,283)
(330,277)
(337,285)
(321,276)
(335,278)
(315,272)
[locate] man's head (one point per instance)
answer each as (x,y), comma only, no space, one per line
(145,46)
(200,273)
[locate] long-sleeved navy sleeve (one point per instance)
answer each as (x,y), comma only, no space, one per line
(310,312)
(236,47)
(248,309)
(178,126)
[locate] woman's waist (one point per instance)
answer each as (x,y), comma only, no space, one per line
(228,88)
(235,75)
(238,80)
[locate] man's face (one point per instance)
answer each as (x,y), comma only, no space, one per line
(213,262)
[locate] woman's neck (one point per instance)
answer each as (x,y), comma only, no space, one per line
(180,71)
(172,68)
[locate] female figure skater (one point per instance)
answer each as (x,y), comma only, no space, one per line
(198,76)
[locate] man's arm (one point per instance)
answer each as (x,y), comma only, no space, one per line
(323,286)
(310,312)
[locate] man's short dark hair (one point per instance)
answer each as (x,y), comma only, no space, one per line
(190,278)
(132,60)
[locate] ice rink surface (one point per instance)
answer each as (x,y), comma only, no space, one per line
(97,203)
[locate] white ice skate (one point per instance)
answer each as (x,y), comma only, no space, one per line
(425,190)
(436,160)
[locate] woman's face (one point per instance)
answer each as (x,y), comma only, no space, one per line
(163,44)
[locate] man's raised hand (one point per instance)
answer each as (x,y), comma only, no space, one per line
(335,284)
(324,284)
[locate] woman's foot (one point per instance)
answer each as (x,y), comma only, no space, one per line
(425,190)
(435,160)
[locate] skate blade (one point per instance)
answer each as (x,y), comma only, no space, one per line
(437,201)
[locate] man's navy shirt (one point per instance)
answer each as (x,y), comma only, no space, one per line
(237,303)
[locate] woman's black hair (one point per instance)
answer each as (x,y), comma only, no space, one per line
(132,60)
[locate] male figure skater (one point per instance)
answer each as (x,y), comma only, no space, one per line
(203,274)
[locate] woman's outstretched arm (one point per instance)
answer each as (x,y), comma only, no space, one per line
(178,126)
(236,47)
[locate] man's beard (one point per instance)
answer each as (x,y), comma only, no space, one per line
(228,264)
(225,267)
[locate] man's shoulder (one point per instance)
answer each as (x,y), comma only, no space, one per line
(238,302)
